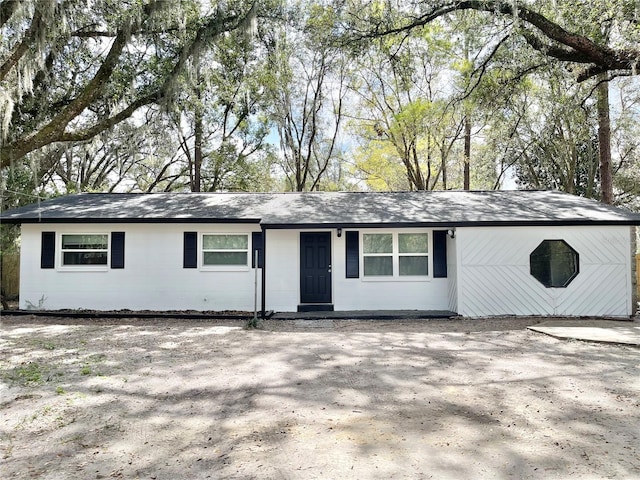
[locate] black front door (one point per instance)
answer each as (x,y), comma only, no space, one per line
(315,267)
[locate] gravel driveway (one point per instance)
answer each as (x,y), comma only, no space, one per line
(174,399)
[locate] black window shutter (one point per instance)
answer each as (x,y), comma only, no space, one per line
(117,249)
(190,258)
(440,254)
(48,250)
(352,242)
(257,244)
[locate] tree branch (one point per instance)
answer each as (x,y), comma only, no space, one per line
(55,130)
(7,9)
(22,48)
(577,48)
(109,122)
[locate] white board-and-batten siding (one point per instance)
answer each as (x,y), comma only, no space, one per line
(153,277)
(493,274)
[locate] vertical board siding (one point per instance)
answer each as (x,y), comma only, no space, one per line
(452,261)
(494,272)
(10,276)
(638,276)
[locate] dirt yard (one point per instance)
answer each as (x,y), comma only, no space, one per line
(176,399)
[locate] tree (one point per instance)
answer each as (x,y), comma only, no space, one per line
(220,116)
(566,33)
(406,99)
(558,137)
(308,110)
(626,143)
(537,27)
(68,73)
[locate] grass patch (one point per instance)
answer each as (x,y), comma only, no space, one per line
(27,374)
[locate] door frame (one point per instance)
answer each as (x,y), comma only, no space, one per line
(329,258)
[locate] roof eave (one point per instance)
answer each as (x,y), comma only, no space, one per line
(320,225)
(454,224)
(17,221)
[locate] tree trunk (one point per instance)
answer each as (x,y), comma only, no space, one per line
(197,152)
(467,153)
(198,126)
(604,141)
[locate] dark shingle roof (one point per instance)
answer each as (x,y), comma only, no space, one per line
(315,209)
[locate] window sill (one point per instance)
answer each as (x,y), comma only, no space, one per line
(230,268)
(84,268)
(394,279)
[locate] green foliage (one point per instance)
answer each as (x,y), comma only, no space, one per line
(269,104)
(377,163)
(28,374)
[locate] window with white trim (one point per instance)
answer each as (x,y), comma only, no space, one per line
(84,249)
(225,250)
(395,254)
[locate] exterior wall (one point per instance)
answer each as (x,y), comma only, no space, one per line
(282,261)
(282,264)
(635,272)
(488,274)
(452,273)
(494,272)
(153,277)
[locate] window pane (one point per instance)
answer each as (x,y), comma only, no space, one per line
(414,265)
(562,264)
(84,242)
(377,243)
(225,242)
(374,266)
(84,258)
(413,242)
(225,258)
(554,263)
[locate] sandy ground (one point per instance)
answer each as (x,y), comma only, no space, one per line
(313,400)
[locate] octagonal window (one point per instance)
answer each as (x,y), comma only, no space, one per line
(554,263)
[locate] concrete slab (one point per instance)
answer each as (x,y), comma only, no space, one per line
(593,330)
(365,315)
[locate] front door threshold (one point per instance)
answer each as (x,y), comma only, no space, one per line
(315,307)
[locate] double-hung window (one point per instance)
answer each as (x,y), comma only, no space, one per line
(84,249)
(225,250)
(395,254)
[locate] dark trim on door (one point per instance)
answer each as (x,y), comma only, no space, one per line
(315,268)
